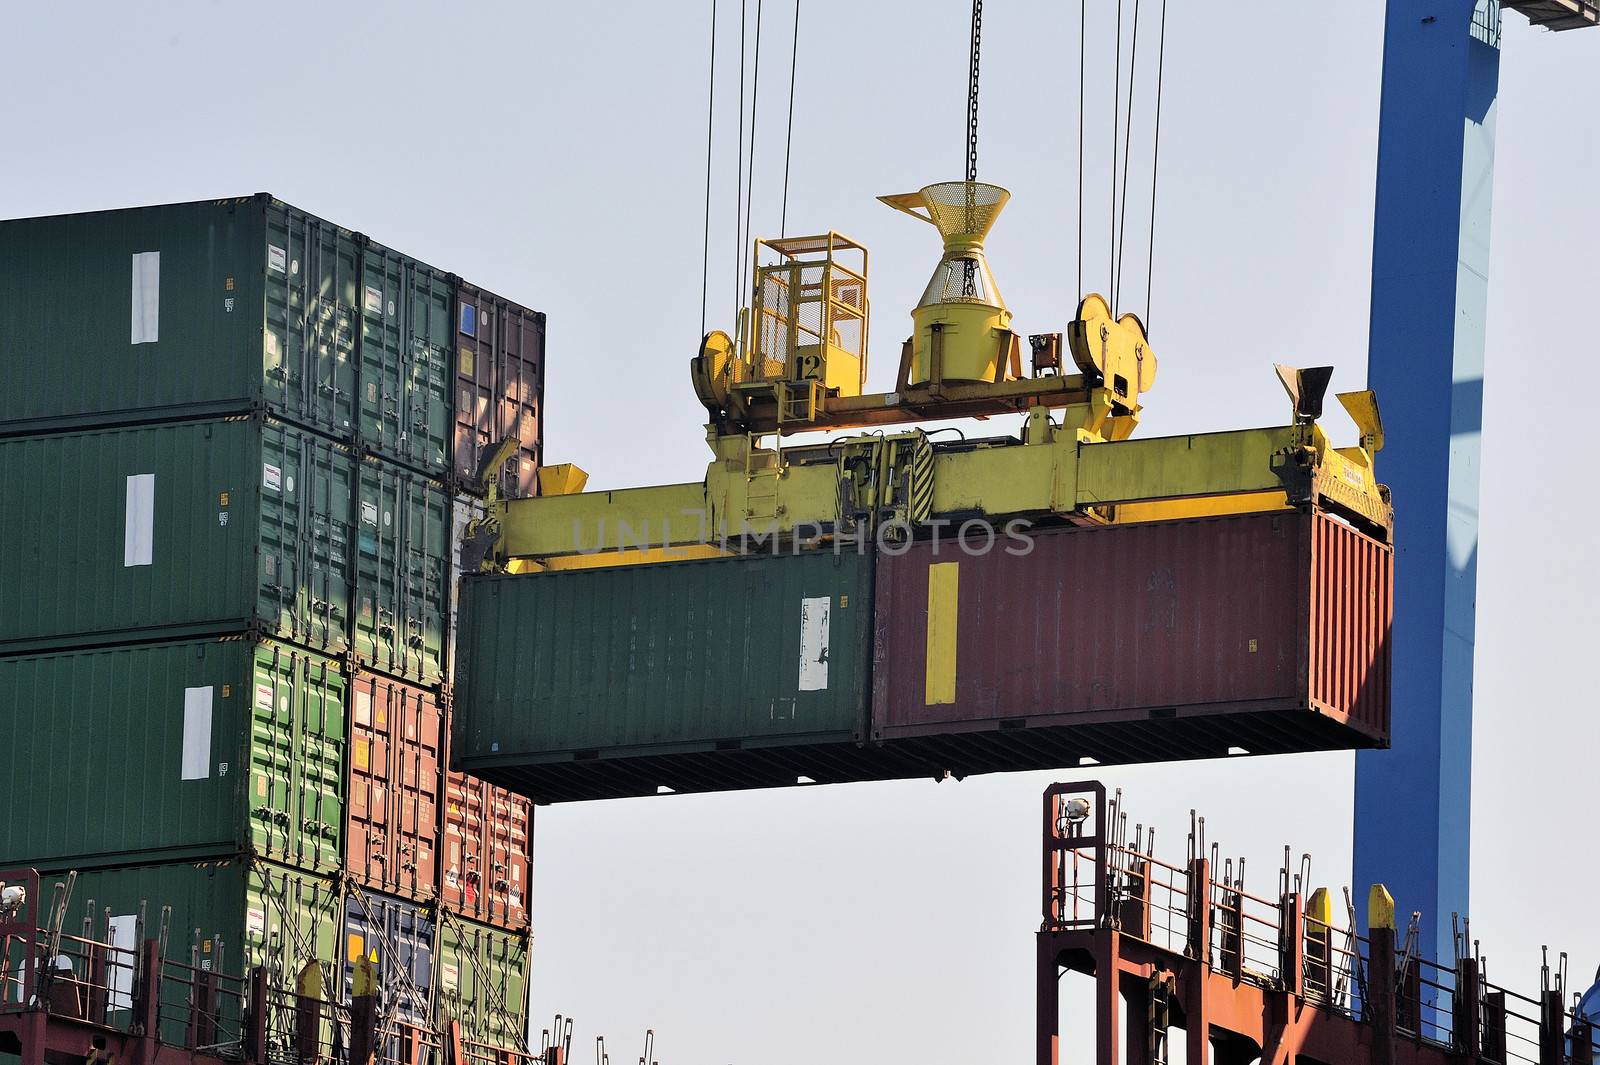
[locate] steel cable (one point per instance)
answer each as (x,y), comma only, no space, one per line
(748,254)
(1083,24)
(788,143)
(1116,128)
(711,112)
(1155,165)
(738,192)
(1127,153)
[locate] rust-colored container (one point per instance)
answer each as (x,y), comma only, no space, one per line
(488,837)
(396,779)
(499,388)
(1257,633)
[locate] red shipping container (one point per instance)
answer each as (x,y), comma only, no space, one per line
(488,838)
(396,777)
(1254,633)
(499,388)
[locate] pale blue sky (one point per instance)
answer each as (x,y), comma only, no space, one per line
(555,153)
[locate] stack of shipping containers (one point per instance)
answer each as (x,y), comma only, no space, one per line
(235,443)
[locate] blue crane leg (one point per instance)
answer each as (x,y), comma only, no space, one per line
(1430,268)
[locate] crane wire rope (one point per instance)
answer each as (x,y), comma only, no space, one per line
(1127,153)
(1083,24)
(711,113)
(738,192)
(969,266)
(1155,165)
(788,143)
(747,256)
(1116,128)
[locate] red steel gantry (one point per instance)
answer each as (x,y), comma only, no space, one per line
(1248,978)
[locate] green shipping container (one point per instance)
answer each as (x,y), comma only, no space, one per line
(406,363)
(402,572)
(482,982)
(228,916)
(183,310)
(187,529)
(154,752)
(692,676)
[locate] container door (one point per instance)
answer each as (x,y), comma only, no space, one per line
(483,982)
(402,567)
(306,486)
(405,356)
(398,937)
(291,917)
(522,397)
(396,777)
(296,797)
(499,388)
(476,398)
(487,843)
(463,511)
(312,271)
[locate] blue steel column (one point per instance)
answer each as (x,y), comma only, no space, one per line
(1430,266)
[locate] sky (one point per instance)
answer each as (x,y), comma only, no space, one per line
(556,154)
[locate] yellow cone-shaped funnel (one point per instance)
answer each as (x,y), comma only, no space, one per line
(963,329)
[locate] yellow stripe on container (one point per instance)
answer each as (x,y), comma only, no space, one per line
(944,581)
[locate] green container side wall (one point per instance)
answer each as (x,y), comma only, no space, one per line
(483,981)
(406,362)
(134,754)
(402,572)
(308,284)
(677,656)
(237,327)
(254,913)
(250,525)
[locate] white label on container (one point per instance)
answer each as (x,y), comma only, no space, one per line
(120,962)
(369,513)
(255,923)
(277,258)
(363,708)
(196,733)
(814,643)
(374,303)
(451,976)
(146,297)
(264,697)
(139,520)
(271,477)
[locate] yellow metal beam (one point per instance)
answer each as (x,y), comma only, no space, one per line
(754,497)
(1179,467)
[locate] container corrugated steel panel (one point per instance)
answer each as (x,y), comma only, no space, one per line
(697,676)
(398,936)
(483,982)
(402,569)
(174,530)
(396,783)
(160,751)
(499,388)
(227,916)
(405,355)
(465,509)
(233,305)
(487,872)
(1266,632)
